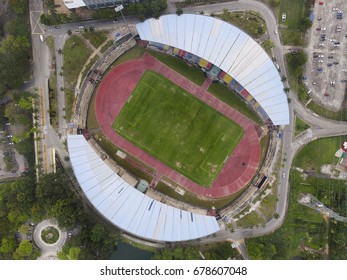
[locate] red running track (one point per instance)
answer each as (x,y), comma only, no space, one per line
(114,91)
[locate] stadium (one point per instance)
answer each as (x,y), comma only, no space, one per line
(176,129)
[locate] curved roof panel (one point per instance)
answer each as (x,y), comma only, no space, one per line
(227,47)
(126,207)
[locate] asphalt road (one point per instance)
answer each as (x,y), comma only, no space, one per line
(321,126)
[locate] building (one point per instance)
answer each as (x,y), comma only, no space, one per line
(226,52)
(126,207)
(95,4)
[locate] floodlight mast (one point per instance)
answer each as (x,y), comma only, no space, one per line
(119,9)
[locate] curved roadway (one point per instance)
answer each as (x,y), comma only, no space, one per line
(321,127)
(49,251)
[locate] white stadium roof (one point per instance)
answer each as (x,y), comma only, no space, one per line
(126,207)
(227,47)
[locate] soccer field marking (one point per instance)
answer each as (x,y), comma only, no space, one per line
(173,117)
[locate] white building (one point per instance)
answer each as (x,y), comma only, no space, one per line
(126,207)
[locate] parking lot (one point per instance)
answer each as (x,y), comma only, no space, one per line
(326,70)
(12,164)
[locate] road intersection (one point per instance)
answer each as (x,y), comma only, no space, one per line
(53,140)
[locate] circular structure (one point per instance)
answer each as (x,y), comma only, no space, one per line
(49,251)
(50,235)
(228,55)
(115,90)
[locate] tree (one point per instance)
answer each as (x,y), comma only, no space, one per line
(98,233)
(60,51)
(8,245)
(274,3)
(141,12)
(179,11)
(286,90)
(155,9)
(69,32)
(18,6)
(306,23)
(284,78)
(25,103)
(17,45)
(72,254)
(298,59)
(17,27)
(44,19)
(25,248)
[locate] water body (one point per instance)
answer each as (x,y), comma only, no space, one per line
(125,251)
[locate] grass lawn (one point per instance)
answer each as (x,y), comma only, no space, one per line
(53,103)
(268,204)
(319,152)
(177,128)
(192,199)
(303,224)
(190,72)
(112,149)
(250,219)
(250,22)
(95,38)
(268,45)
(134,53)
(106,46)
(76,54)
(50,235)
(69,101)
(294,10)
(339,115)
(233,100)
(264,144)
(300,126)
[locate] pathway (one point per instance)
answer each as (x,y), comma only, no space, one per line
(49,251)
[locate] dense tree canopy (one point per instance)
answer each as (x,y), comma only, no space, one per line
(15,48)
(219,251)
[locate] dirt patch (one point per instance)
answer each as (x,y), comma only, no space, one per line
(327,169)
(178,164)
(60,7)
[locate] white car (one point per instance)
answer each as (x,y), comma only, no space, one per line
(81,27)
(283,175)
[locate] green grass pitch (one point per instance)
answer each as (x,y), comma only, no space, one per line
(178,129)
